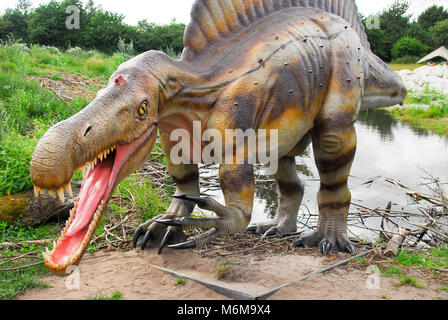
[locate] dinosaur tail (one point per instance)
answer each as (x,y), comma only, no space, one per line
(383,87)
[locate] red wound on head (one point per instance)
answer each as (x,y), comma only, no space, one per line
(121,81)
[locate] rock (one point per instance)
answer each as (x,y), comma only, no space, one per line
(434,77)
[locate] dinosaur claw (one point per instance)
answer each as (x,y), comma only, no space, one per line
(138,233)
(201,202)
(325,247)
(299,243)
(165,240)
(252,228)
(184,246)
(170,223)
(146,239)
(271,232)
(350,249)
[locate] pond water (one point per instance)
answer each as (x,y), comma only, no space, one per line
(386,149)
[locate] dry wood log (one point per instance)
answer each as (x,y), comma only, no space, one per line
(24,208)
(395,243)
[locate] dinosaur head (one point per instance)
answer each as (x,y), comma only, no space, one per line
(111,138)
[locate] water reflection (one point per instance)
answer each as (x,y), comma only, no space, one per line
(378,120)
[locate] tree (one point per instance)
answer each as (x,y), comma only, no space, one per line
(48,25)
(24,6)
(16,24)
(104,31)
(439,33)
(416,31)
(409,47)
(395,23)
(432,15)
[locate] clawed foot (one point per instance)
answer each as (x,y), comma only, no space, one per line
(228,222)
(155,235)
(326,242)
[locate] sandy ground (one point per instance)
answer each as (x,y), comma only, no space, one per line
(131,274)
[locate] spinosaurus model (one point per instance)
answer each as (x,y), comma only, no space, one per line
(303,67)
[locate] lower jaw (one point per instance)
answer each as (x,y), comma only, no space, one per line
(69,250)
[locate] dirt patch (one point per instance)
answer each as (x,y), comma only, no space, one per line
(133,274)
(68,86)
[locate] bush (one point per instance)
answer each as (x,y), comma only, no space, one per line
(409,47)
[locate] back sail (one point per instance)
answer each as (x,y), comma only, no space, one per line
(213,21)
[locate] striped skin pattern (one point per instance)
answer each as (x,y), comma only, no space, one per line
(302,67)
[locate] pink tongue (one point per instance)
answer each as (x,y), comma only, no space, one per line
(92,192)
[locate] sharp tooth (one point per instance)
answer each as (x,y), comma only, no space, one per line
(47,251)
(46,256)
(61,195)
(101,157)
(68,188)
(54,245)
(50,192)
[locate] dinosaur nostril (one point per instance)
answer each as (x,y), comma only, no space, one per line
(87,131)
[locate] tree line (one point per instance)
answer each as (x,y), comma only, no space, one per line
(403,39)
(399,36)
(98,28)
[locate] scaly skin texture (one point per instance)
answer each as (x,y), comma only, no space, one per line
(302,71)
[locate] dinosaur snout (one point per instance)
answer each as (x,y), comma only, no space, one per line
(52,164)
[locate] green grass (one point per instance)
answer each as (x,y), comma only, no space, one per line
(400,66)
(410,281)
(15,282)
(148,200)
(100,296)
(431,259)
(432,115)
(181,282)
(391,272)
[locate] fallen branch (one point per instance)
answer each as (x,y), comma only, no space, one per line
(22,243)
(23,267)
(395,243)
(60,98)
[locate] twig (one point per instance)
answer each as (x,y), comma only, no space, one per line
(60,98)
(22,243)
(23,267)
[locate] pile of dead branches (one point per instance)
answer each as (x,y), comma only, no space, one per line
(427,226)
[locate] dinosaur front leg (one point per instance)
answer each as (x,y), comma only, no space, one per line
(334,153)
(290,197)
(238,186)
(152,234)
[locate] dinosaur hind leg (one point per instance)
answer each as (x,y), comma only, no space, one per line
(334,152)
(290,197)
(238,185)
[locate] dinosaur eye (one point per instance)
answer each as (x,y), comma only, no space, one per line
(143,109)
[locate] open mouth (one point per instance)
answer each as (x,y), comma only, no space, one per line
(100,180)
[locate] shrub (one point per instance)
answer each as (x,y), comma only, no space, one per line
(409,47)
